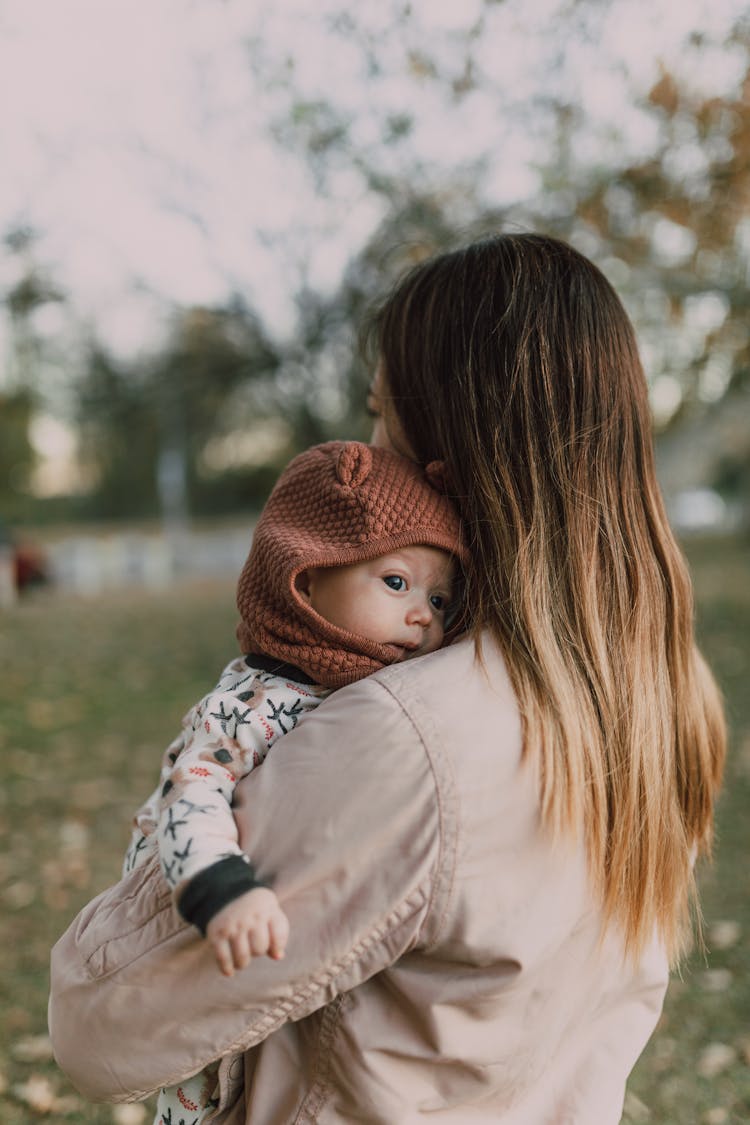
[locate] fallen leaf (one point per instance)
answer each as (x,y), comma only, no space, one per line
(715,1058)
(74,835)
(716,980)
(38,1092)
(19,895)
(716,1116)
(724,934)
(34,1048)
(635,1109)
(128,1114)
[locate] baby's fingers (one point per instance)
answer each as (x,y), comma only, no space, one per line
(224,956)
(259,936)
(240,946)
(278,931)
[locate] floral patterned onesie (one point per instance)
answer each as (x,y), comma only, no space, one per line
(188,817)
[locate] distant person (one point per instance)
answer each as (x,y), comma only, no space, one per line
(30,566)
(351,568)
(486,855)
(22,565)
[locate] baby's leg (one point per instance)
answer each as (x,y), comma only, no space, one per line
(191,1101)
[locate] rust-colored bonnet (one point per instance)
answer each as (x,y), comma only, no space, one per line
(335,504)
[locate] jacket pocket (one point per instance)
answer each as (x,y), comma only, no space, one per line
(127,921)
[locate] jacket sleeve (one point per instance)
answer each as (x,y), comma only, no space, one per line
(344,820)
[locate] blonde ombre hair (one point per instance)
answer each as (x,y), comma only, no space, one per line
(514,361)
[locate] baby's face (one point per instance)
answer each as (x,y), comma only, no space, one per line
(398,599)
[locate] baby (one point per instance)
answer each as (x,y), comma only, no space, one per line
(352,567)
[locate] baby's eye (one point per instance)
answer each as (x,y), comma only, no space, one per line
(438,602)
(395,581)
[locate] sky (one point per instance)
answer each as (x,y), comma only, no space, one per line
(150,146)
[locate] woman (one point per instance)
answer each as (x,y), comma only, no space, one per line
(487,854)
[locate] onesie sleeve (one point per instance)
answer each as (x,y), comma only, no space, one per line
(347,825)
(226,736)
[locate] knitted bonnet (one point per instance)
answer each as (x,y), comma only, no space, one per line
(335,504)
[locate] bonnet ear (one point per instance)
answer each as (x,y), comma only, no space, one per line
(437,475)
(354,464)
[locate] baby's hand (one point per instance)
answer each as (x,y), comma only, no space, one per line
(252,925)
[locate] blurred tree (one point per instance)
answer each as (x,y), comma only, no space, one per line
(208,382)
(31,290)
(679,222)
(16,453)
(148,423)
(675,230)
(118,437)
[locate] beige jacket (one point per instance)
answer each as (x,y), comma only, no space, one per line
(444,963)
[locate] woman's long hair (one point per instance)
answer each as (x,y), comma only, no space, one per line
(514,361)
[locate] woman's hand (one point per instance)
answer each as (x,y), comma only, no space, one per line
(253,925)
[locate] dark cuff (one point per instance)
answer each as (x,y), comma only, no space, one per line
(214,887)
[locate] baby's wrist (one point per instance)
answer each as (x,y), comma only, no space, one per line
(211,889)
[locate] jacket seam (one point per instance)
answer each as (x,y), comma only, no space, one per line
(319,1091)
(328,976)
(446,863)
(166,905)
(283,1011)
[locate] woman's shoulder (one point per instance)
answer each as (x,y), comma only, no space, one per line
(460,694)
(469,664)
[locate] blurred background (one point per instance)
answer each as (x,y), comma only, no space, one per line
(199,200)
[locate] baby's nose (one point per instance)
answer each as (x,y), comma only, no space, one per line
(420,612)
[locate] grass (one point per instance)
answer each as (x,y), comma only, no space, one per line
(90,692)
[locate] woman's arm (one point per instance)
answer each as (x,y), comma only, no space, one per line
(343,820)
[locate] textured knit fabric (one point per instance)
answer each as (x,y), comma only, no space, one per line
(335,504)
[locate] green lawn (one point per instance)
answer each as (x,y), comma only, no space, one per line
(90,692)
